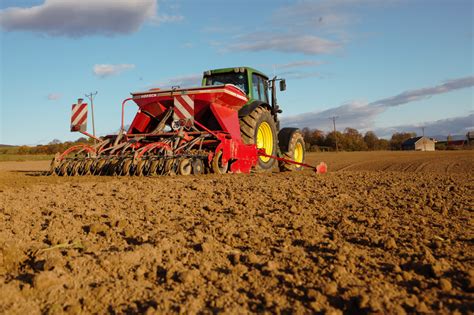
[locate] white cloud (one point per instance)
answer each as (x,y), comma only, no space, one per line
(190,80)
(106,70)
(54,96)
(320,16)
(300,69)
(361,115)
(354,114)
(77,18)
(306,44)
(307,26)
(298,64)
(324,15)
(450,126)
(295,75)
(419,94)
(165,18)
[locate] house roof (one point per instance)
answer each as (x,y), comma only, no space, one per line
(413,140)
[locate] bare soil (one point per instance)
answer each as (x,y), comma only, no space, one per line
(382,232)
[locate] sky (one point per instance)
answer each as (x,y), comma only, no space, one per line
(387,66)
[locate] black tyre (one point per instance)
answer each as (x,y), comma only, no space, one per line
(292,147)
(259,128)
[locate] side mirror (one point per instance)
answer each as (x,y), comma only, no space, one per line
(282,85)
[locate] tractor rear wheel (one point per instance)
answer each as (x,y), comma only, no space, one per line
(292,147)
(259,128)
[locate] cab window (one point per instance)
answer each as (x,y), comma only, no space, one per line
(255,91)
(263,90)
(237,79)
(259,88)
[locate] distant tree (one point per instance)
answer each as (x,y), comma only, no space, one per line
(306,136)
(440,146)
(371,140)
(313,137)
(52,147)
(349,140)
(330,140)
(55,141)
(317,137)
(82,140)
(353,140)
(398,138)
(24,149)
(383,144)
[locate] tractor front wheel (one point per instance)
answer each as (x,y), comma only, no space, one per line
(259,128)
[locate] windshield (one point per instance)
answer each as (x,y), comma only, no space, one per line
(237,79)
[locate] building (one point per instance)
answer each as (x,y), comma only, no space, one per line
(470,137)
(419,144)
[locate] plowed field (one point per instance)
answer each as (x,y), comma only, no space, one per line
(383,232)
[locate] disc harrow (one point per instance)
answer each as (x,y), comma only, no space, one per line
(167,157)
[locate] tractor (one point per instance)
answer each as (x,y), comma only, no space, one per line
(229,124)
(258,118)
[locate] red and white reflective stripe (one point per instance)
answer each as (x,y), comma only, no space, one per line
(79,114)
(183,107)
(190,91)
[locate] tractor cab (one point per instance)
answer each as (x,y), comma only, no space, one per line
(252,82)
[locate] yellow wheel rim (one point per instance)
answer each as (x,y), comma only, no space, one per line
(265,140)
(299,152)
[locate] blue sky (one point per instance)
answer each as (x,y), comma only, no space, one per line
(393,65)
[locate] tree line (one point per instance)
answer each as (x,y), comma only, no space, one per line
(352,140)
(52,147)
(316,140)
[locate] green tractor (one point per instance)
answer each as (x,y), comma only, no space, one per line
(258,119)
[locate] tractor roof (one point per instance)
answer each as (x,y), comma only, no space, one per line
(225,70)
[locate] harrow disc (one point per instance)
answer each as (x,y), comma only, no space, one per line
(112,166)
(147,168)
(140,168)
(127,166)
(185,167)
(154,167)
(217,166)
(74,167)
(104,170)
(198,167)
(98,166)
(63,168)
(169,167)
(86,167)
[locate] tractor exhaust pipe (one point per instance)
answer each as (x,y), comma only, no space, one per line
(275,108)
